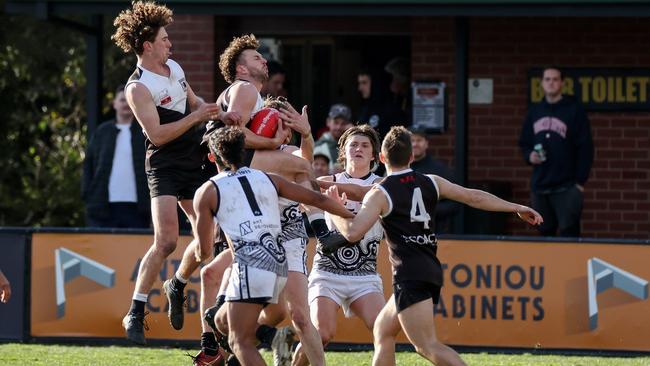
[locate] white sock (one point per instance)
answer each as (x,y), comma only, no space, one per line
(140,297)
(181,278)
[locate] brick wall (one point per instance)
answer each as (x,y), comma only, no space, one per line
(193,47)
(617,196)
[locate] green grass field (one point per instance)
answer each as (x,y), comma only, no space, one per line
(23,354)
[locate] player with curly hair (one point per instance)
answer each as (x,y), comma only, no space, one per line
(245,69)
(172,118)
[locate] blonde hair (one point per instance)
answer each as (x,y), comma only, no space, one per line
(278,102)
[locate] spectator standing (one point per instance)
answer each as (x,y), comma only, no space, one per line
(556,140)
(400,70)
(339,120)
(375,103)
(114,184)
(424,163)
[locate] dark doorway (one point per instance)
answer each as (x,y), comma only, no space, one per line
(322,70)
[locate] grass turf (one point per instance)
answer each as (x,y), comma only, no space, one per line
(35,354)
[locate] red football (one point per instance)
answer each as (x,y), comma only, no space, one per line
(265,122)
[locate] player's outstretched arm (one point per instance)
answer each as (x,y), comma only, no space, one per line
(373,205)
(205,203)
(144,109)
(353,191)
(484,200)
(5,288)
(306,196)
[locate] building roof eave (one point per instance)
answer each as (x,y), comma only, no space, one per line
(467,8)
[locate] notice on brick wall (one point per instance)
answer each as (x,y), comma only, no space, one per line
(429,106)
(479,91)
(599,89)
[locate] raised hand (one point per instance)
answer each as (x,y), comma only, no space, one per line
(333,193)
(296,121)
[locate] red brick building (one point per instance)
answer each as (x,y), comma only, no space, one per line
(617,195)
(503,43)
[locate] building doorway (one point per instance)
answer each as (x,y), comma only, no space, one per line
(322,70)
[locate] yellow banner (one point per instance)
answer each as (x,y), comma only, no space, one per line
(599,89)
(496,293)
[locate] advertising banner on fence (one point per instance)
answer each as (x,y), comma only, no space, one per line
(496,293)
(82,285)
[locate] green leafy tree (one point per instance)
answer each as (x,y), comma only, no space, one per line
(43,119)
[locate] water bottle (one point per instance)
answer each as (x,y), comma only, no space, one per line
(539,149)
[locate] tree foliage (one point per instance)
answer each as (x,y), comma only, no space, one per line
(43,120)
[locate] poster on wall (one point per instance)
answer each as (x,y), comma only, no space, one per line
(429,106)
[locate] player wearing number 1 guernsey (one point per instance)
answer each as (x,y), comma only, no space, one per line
(244,202)
(405,201)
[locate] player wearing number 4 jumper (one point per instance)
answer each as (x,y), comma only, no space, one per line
(405,201)
(244,202)
(347,277)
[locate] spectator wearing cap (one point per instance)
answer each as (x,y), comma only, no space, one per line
(425,164)
(321,165)
(339,119)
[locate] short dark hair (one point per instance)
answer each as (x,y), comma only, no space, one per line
(397,146)
(552,67)
(419,130)
(227,146)
(119,89)
(275,68)
(364,71)
(363,130)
